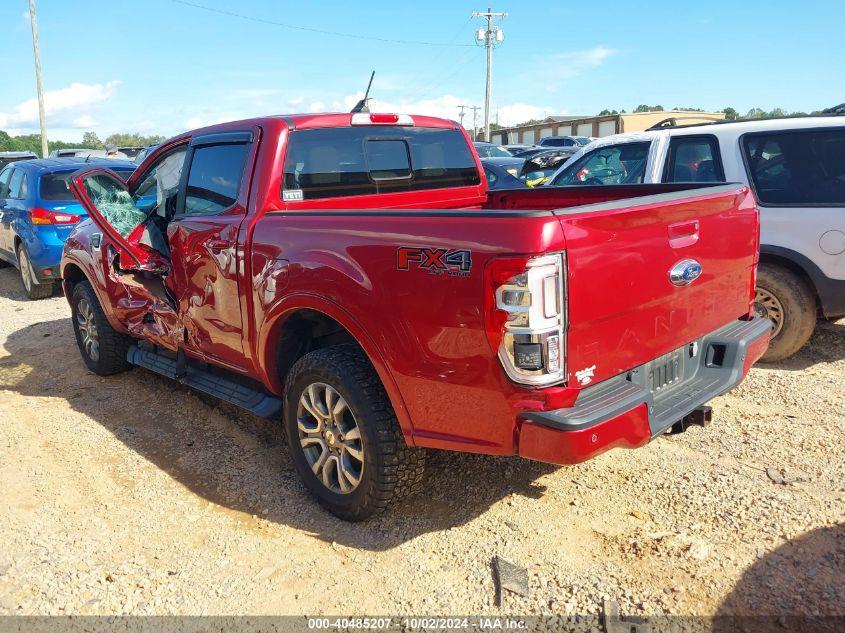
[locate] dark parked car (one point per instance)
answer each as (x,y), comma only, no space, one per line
(574,142)
(542,165)
(498,155)
(131,152)
(499,178)
(11,157)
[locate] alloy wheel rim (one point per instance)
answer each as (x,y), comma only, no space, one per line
(88,330)
(26,272)
(769,306)
(330,438)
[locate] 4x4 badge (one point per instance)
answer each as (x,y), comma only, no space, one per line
(437,261)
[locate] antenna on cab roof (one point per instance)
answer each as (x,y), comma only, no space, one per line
(361,106)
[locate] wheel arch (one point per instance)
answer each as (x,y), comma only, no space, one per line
(299,322)
(798,264)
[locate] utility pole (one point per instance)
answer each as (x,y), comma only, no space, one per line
(461,114)
(475,110)
(33,20)
(490,37)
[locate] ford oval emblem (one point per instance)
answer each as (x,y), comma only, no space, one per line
(685,272)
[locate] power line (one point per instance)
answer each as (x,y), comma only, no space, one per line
(440,81)
(308,29)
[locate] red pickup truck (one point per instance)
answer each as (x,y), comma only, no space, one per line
(351,274)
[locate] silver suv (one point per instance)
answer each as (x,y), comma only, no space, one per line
(796,168)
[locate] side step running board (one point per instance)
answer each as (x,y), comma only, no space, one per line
(255,401)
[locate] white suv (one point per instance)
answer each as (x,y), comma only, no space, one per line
(796,168)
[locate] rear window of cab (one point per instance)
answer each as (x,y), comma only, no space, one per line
(366,160)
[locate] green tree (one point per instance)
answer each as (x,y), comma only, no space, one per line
(91,140)
(730,114)
(648,108)
(132,140)
(606,112)
(529,122)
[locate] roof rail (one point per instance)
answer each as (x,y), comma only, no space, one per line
(837,109)
(673,122)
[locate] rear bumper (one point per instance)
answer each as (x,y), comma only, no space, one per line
(624,412)
(44,247)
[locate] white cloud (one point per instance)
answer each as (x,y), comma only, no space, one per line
(84,122)
(559,67)
(63,107)
(317,106)
(520,113)
(447,107)
(194,122)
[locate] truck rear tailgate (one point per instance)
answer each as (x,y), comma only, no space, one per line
(624,309)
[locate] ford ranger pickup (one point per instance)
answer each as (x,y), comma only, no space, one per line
(351,275)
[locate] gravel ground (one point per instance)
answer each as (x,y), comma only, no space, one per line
(131,494)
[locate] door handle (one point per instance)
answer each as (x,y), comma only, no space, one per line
(683,234)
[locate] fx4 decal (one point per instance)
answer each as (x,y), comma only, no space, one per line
(437,261)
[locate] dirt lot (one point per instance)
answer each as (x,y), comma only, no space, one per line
(130,494)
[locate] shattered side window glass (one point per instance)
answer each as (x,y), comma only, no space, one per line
(156,194)
(114,203)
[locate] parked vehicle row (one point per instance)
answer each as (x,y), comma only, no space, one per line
(796,169)
(11,157)
(37,213)
(530,169)
(352,274)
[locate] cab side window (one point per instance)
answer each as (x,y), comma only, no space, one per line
(214,178)
(693,159)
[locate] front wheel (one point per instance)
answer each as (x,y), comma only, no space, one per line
(343,434)
(103,348)
(33,290)
(788,301)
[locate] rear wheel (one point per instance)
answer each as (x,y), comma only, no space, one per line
(344,437)
(102,347)
(788,301)
(33,290)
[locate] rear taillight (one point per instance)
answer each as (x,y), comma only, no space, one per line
(526,317)
(45,216)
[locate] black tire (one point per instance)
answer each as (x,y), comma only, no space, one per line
(787,299)
(112,346)
(390,469)
(33,290)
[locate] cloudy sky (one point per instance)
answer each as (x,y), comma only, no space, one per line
(163,66)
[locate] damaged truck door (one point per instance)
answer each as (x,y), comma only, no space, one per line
(174,274)
(135,263)
(203,240)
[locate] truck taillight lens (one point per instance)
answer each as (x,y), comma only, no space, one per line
(526,317)
(45,216)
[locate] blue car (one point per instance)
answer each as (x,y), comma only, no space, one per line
(38,212)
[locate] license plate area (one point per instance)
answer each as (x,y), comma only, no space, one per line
(665,371)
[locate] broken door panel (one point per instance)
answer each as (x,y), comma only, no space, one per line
(141,303)
(117,213)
